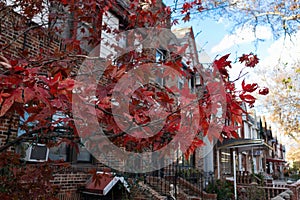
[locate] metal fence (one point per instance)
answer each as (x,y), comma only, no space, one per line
(176,180)
(69,196)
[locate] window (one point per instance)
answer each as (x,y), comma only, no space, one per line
(58,152)
(226,161)
(192,83)
(160,57)
(109,38)
(254,164)
(62,151)
(22,121)
(180,83)
(83,155)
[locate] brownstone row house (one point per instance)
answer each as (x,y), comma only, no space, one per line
(75,182)
(255,151)
(255,157)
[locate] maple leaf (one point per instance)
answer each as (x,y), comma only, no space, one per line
(175,22)
(204,124)
(200,8)
(187,17)
(29,94)
(195,144)
(164,97)
(244,58)
(264,91)
(5,95)
(186,7)
(18,95)
(57,77)
(65,87)
(222,63)
(148,93)
(119,72)
(231,131)
(249,87)
(248,98)
(250,59)
(236,112)
(6,105)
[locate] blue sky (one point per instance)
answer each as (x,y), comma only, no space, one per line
(217,38)
(211,33)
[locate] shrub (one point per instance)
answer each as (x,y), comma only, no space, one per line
(224,189)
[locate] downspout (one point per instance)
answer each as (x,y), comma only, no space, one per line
(218,163)
(253,170)
(234,175)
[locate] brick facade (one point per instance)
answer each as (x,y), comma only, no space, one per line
(26,42)
(69,182)
(19,38)
(8,129)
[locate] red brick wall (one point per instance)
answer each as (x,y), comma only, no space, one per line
(8,129)
(14,41)
(17,36)
(69,182)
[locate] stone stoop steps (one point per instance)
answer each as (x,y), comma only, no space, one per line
(144,192)
(162,186)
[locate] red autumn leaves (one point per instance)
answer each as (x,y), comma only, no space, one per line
(222,64)
(234,97)
(23,85)
(187,7)
(54,93)
(250,60)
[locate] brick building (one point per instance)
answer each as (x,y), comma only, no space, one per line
(15,43)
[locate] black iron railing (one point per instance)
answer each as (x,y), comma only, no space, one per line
(175,180)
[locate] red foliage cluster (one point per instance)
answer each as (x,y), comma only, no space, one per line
(27,89)
(236,98)
(250,59)
(44,85)
(24,181)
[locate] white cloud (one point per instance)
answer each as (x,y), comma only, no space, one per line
(281,56)
(283,50)
(221,20)
(271,69)
(242,36)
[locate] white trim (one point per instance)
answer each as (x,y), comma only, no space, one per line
(113,182)
(28,152)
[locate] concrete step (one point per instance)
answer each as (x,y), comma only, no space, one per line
(194,198)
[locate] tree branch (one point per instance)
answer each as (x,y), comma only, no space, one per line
(57,132)
(20,34)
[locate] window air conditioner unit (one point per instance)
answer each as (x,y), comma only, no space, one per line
(35,152)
